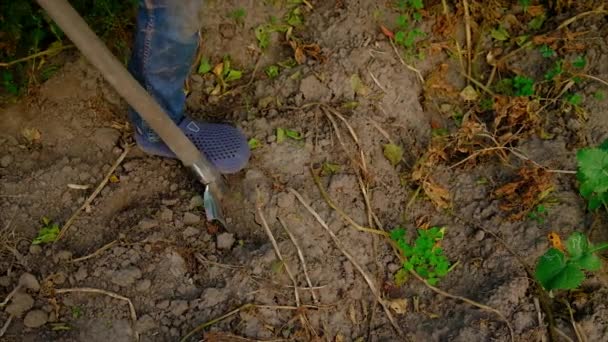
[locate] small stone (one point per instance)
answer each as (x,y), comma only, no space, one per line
(35,249)
(84,176)
(166,215)
(106,138)
(58,278)
(81,274)
(126,277)
(190,218)
(191,231)
(35,319)
(178,307)
(163,304)
(29,281)
(195,202)
(6,160)
(170,202)
(174,187)
(285,200)
(143,285)
(225,241)
(148,223)
(5,281)
(62,256)
(145,323)
(20,303)
(480,235)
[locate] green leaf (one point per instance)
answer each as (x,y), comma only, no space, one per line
(292,134)
(280,135)
(402,21)
(574,99)
(254,143)
(577,245)
(233,75)
(272,71)
(589,262)
(205,66)
(549,266)
(401,277)
(330,169)
(393,153)
(592,170)
(579,62)
(500,34)
(537,22)
(47,234)
(397,234)
(546,51)
(400,37)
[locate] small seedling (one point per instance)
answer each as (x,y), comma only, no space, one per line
(424,256)
(238,15)
(48,233)
(555,71)
(272,71)
(592,175)
(405,35)
(559,270)
(76,312)
(523,86)
(599,95)
(205,66)
(579,62)
(330,169)
(537,22)
(546,51)
(538,214)
(574,99)
(500,34)
(283,133)
(254,143)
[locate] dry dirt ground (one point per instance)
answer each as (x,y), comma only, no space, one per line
(179,272)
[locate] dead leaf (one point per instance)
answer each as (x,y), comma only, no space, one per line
(114,179)
(469,94)
(536,10)
(387,32)
(521,195)
(399,306)
(32,135)
(437,194)
(358,86)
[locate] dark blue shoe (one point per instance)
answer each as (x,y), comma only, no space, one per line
(223,145)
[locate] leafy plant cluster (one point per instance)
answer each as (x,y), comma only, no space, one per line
(562,269)
(592,175)
(424,256)
(25,29)
(48,233)
(410,13)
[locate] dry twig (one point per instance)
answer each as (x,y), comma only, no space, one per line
(97,252)
(6,325)
(132,312)
(301,256)
(418,73)
(278,253)
(95,193)
(350,258)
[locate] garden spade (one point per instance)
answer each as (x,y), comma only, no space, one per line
(137,97)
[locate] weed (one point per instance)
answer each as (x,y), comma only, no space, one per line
(224,74)
(283,133)
(48,233)
(538,214)
(563,270)
(205,66)
(272,71)
(424,256)
(579,62)
(599,95)
(76,312)
(537,22)
(592,175)
(574,99)
(330,169)
(406,35)
(546,51)
(254,143)
(555,71)
(393,153)
(238,15)
(500,34)
(523,86)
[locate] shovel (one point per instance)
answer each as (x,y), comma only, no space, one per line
(136,96)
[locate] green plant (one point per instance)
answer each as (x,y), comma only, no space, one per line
(48,233)
(579,62)
(599,95)
(523,86)
(205,66)
(592,175)
(238,15)
(406,35)
(555,71)
(563,270)
(538,214)
(283,133)
(272,71)
(546,51)
(574,99)
(424,256)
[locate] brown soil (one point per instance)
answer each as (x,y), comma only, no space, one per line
(180,272)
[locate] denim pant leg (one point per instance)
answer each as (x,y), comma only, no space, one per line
(165,45)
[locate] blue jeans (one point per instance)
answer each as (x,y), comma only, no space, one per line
(166,41)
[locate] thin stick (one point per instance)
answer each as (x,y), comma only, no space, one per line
(51,51)
(599,10)
(594,78)
(376,81)
(467,20)
(107,293)
(562,334)
(479,84)
(279,255)
(341,212)
(382,131)
(10,295)
(215,320)
(301,256)
(97,252)
(6,325)
(573,322)
(95,193)
(204,260)
(405,64)
(350,258)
